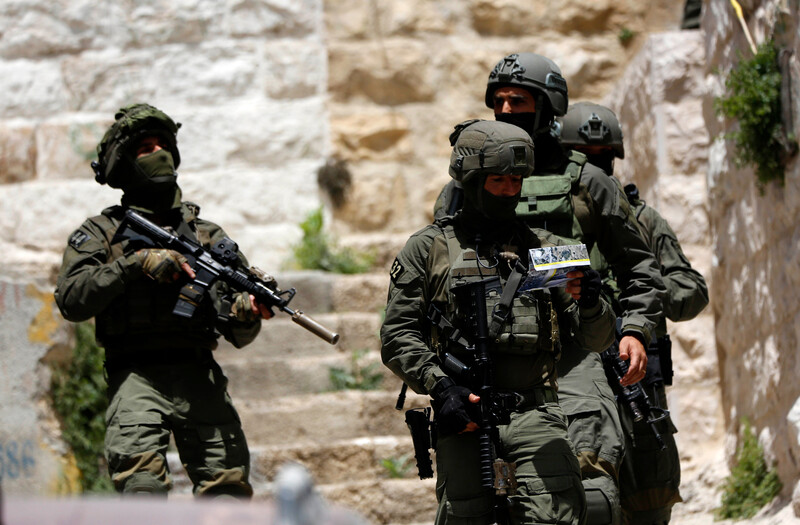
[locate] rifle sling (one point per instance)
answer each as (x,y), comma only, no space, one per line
(503,308)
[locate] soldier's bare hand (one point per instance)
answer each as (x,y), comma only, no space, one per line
(574,284)
(632,350)
(259,309)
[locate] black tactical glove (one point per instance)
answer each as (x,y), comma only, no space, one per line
(590,289)
(453,408)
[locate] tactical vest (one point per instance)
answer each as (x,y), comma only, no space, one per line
(143,314)
(531,327)
(557,202)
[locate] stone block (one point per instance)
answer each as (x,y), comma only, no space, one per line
(377,199)
(70,144)
(371,135)
(360,293)
(32,88)
(390,73)
(273,19)
(322,418)
(17,151)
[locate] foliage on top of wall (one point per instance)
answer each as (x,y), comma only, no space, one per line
(316,251)
(753,98)
(751,484)
(79,398)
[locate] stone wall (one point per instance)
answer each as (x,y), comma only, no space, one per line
(267,90)
(756,245)
(246,79)
(659,105)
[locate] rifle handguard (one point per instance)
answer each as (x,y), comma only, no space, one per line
(314,327)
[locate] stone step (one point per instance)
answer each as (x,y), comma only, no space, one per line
(395,501)
(322,292)
(359,459)
(269,377)
(280,336)
(322,418)
(382,501)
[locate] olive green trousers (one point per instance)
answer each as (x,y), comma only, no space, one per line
(548,477)
(147,403)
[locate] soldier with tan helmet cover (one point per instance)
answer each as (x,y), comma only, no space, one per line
(162,377)
(486,243)
(650,474)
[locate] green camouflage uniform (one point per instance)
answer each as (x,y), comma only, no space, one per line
(650,476)
(578,201)
(433,260)
(161,373)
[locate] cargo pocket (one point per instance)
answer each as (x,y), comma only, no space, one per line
(473,511)
(213,447)
(550,499)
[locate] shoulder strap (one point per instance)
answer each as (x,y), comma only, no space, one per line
(577,161)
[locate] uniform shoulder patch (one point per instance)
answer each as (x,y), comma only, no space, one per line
(396,271)
(78,238)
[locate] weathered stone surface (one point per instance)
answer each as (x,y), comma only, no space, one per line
(372,135)
(33,455)
(389,72)
(17,151)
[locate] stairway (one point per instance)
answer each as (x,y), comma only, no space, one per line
(281,387)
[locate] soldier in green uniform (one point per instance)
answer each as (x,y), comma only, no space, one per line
(650,475)
(162,377)
(483,240)
(576,200)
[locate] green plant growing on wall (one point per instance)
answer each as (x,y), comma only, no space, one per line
(79,398)
(753,98)
(397,466)
(316,251)
(625,36)
(751,484)
(359,376)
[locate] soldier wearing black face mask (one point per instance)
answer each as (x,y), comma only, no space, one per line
(578,201)
(162,377)
(650,475)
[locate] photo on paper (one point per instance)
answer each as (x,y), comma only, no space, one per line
(550,266)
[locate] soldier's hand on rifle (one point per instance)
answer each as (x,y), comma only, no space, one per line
(164,266)
(246,309)
(454,414)
(631,348)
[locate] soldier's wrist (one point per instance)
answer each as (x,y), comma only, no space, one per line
(440,386)
(638,335)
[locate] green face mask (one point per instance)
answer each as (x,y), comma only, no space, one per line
(158,168)
(156,189)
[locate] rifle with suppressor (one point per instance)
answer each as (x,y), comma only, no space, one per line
(222,263)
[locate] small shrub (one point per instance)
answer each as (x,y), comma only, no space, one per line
(625,36)
(316,251)
(397,467)
(359,376)
(750,485)
(753,98)
(79,398)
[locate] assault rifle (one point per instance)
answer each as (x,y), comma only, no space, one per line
(633,396)
(222,263)
(496,475)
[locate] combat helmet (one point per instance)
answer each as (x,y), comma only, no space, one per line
(588,124)
(539,75)
(481,147)
(116,164)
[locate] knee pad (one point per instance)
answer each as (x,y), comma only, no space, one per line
(602,501)
(144,483)
(231,491)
